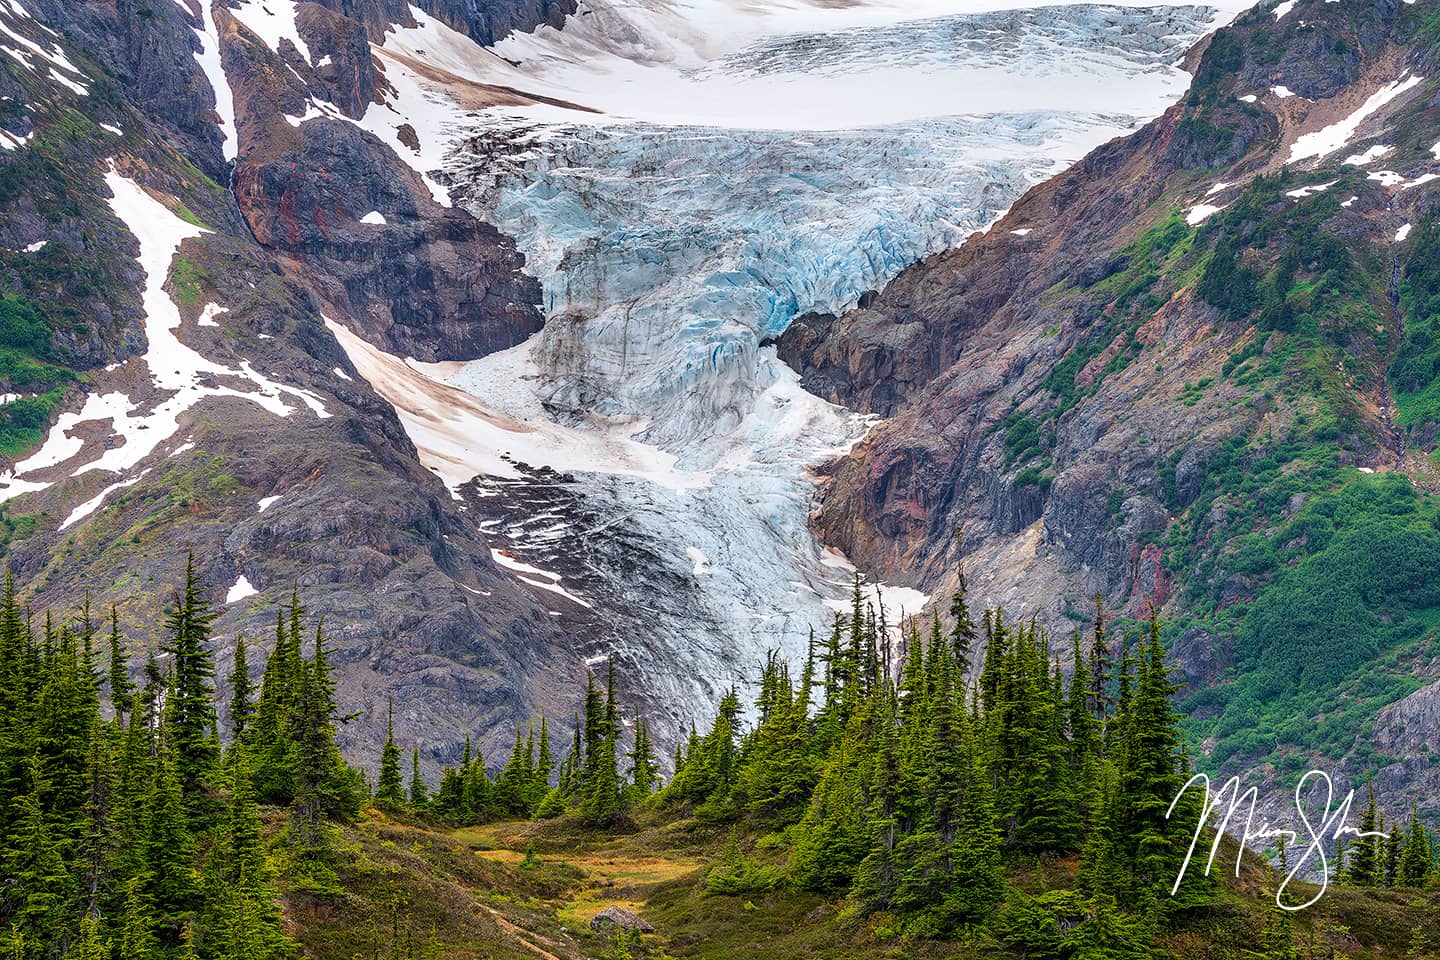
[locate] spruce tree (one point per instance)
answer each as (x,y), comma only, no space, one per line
(241,706)
(122,691)
(1367,857)
(644,770)
(191,702)
(1415,858)
(389,790)
(419,793)
(137,927)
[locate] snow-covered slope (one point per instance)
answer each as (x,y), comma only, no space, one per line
(742,164)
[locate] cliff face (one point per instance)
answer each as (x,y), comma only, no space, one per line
(178,224)
(1192,369)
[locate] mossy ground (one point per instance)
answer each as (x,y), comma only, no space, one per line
(479,892)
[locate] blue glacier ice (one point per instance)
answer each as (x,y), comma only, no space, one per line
(669,251)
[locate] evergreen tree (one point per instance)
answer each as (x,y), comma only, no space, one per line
(1415,863)
(1367,853)
(191,701)
(122,691)
(34,858)
(241,707)
(389,790)
(137,927)
(419,793)
(644,770)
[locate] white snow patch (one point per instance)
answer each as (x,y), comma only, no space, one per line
(1281,91)
(1201,212)
(1402,233)
(646,59)
(272,21)
(698,558)
(1248,98)
(1371,154)
(550,582)
(1389,178)
(10,141)
(113,129)
(240,591)
(36,247)
(51,54)
(896,603)
(1222,185)
(1022,232)
(315,109)
(460,438)
(264,502)
(1349,202)
(429,112)
(375,217)
(208,315)
(1311,190)
(175,368)
(209,60)
(1283,8)
(93,504)
(342,374)
(73,86)
(1327,140)
(1436,149)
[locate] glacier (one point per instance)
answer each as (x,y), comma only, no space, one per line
(646,454)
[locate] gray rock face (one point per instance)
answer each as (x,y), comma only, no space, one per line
(485,21)
(488,21)
(1412,723)
(151,59)
(432,283)
(613,916)
(371,539)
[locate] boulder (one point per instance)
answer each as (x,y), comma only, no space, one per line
(613,916)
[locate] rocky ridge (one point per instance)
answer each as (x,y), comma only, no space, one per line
(196,103)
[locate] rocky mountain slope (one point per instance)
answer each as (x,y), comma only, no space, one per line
(253,273)
(173,240)
(256,304)
(1198,367)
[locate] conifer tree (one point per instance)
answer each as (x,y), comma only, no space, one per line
(137,927)
(89,945)
(34,859)
(191,701)
(644,771)
(389,790)
(1366,856)
(241,707)
(122,691)
(97,839)
(962,628)
(419,793)
(1415,861)
(169,852)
